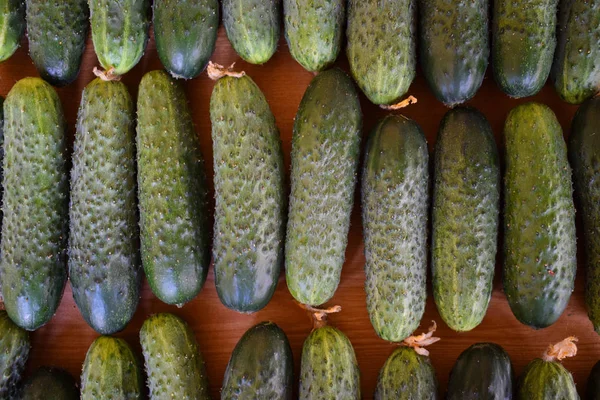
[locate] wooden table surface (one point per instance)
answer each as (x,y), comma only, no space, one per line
(65,339)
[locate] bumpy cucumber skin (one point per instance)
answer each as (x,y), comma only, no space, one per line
(576,68)
(172,192)
(260,366)
(454,47)
(381,47)
(35,205)
(539,217)
(14,342)
(253,28)
(482,372)
(395,201)
(185,32)
(249,195)
(465,218)
(593,383)
(119,32)
(174,365)
(523,43)
(49,383)
(328,368)
(325,154)
(406,375)
(584,155)
(57,30)
(104,264)
(546,380)
(314,31)
(111,370)
(12,24)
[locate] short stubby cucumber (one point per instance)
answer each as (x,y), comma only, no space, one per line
(49,383)
(465,218)
(174,365)
(104,264)
(406,375)
(381,47)
(260,366)
(14,345)
(172,192)
(395,200)
(35,206)
(325,154)
(593,383)
(314,31)
(539,217)
(12,26)
(111,371)
(249,194)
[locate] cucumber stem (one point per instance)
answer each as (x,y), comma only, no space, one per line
(404,103)
(108,75)
(319,315)
(217,71)
(420,341)
(563,349)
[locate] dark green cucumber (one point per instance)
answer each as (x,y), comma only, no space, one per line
(593,383)
(546,380)
(14,351)
(465,218)
(49,383)
(523,43)
(174,365)
(325,154)
(260,366)
(172,192)
(576,68)
(381,47)
(185,32)
(249,195)
(482,372)
(12,26)
(119,32)
(104,265)
(584,155)
(57,30)
(454,47)
(314,31)
(35,206)
(395,201)
(328,367)
(253,28)
(539,217)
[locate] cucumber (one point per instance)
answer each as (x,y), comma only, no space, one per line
(576,70)
(119,32)
(584,152)
(593,383)
(249,195)
(57,30)
(523,43)
(406,375)
(482,372)
(454,47)
(12,24)
(465,218)
(253,28)
(261,365)
(395,199)
(104,265)
(172,192)
(35,205)
(325,153)
(174,365)
(185,32)
(14,345)
(539,217)
(49,383)
(381,47)
(314,31)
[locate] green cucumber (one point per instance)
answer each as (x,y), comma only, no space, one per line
(172,192)
(465,218)
(12,26)
(49,383)
(381,47)
(314,31)
(395,199)
(539,217)
(14,345)
(249,194)
(119,32)
(261,365)
(57,30)
(593,383)
(35,205)
(104,265)
(174,365)
(185,32)
(325,154)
